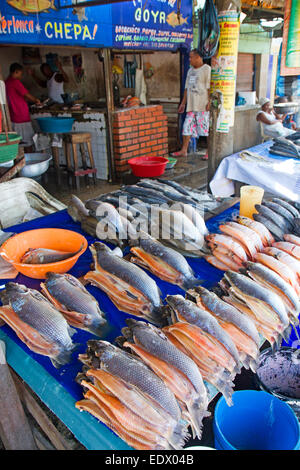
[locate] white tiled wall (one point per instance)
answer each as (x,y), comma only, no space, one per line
(95,124)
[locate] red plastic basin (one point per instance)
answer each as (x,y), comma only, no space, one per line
(148,166)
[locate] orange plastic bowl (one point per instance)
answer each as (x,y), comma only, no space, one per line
(52,238)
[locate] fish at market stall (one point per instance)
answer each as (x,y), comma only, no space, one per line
(45,255)
(240,328)
(127,285)
(37,323)
(198,335)
(262,231)
(178,371)
(285,258)
(271,279)
(164,262)
(130,398)
(266,306)
(72,299)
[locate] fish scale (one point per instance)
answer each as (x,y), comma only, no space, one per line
(128,272)
(203,320)
(37,312)
(156,343)
(133,371)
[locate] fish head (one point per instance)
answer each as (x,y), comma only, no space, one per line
(98,247)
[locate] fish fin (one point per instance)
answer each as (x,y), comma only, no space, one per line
(287,333)
(190,283)
(64,357)
(120,340)
(197,413)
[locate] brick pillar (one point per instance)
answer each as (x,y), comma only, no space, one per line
(139,132)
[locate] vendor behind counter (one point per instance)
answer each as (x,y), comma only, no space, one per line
(54,81)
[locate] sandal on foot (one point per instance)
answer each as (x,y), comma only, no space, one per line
(177,154)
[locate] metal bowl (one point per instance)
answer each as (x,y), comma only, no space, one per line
(36,164)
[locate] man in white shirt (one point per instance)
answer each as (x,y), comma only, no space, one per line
(54,81)
(196,101)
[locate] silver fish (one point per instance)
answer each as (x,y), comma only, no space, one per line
(279,209)
(45,255)
(227,313)
(276,218)
(287,206)
(154,342)
(161,256)
(270,279)
(134,372)
(34,310)
(204,320)
(129,274)
(78,306)
(251,288)
(276,231)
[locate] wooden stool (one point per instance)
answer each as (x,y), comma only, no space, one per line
(71,141)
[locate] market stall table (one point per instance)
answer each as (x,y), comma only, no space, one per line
(57,387)
(275,174)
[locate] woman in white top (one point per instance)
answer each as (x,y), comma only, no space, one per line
(54,81)
(272,122)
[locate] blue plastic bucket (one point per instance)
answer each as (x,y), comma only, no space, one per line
(256,421)
(55,124)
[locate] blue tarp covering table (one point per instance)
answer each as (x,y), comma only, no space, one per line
(57,387)
(279,175)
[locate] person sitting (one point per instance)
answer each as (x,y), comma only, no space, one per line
(271,121)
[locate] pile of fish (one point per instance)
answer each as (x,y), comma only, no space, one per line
(128,286)
(150,387)
(44,323)
(168,211)
(243,239)
(132,400)
(279,216)
(285,147)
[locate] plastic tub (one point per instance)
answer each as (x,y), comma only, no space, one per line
(256,421)
(148,166)
(279,374)
(10,151)
(54,125)
(53,238)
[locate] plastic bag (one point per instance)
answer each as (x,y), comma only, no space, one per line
(209,30)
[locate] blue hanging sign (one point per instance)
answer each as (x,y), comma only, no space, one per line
(136,24)
(152,24)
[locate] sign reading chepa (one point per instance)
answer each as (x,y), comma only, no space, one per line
(155,24)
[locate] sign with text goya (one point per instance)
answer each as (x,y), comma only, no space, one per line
(154,24)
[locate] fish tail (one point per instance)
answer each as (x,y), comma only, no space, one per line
(97,327)
(179,435)
(287,333)
(64,357)
(197,413)
(191,283)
